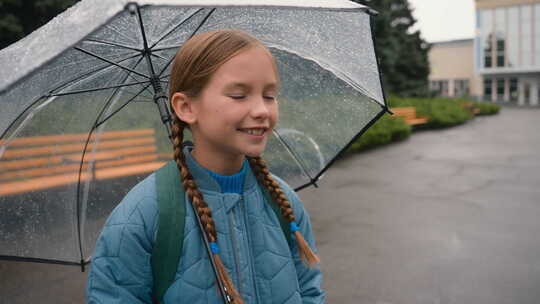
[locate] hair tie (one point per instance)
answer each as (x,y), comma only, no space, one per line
(214,247)
(294,227)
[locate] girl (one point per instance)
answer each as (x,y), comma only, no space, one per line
(223,88)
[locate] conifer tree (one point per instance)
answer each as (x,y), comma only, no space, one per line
(19,18)
(403,54)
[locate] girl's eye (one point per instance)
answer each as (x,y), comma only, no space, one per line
(237,96)
(269,97)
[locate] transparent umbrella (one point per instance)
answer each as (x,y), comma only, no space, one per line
(83,107)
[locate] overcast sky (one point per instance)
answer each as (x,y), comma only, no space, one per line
(441,20)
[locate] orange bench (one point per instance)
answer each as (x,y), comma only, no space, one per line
(409,115)
(42,162)
(469,106)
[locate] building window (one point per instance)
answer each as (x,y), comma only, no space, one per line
(513,89)
(444,87)
(439,87)
(512,45)
(500,36)
(500,52)
(461,87)
(487,52)
(527,92)
(487,88)
(526,34)
(500,89)
(435,87)
(486,37)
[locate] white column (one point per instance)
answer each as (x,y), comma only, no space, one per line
(534,92)
(506,89)
(451,91)
(521,91)
(494,89)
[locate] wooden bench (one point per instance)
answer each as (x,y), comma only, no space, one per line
(409,115)
(42,162)
(469,106)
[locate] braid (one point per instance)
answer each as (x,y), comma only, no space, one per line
(196,198)
(258,165)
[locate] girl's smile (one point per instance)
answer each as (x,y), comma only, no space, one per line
(256,132)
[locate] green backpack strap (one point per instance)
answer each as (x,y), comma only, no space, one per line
(285,226)
(170,235)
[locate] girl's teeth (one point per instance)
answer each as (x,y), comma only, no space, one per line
(255,132)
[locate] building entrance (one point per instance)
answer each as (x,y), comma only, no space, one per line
(529,91)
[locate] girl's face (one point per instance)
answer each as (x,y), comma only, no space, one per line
(234,114)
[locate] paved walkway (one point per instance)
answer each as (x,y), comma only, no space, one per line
(449,216)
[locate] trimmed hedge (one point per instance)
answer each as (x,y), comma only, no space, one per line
(487,108)
(441,113)
(386,130)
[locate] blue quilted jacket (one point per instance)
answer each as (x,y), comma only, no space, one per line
(253,248)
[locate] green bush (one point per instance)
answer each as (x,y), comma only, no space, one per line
(445,113)
(387,129)
(441,112)
(487,108)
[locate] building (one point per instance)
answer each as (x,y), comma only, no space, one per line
(507,50)
(452,69)
(501,64)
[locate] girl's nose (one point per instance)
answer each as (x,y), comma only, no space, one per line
(260,108)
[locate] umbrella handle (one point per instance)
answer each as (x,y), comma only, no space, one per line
(161,102)
(224,292)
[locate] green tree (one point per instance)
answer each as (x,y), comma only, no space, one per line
(19,18)
(403,54)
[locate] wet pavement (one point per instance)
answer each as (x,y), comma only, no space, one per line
(448,216)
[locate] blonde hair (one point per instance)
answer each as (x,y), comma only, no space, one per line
(192,68)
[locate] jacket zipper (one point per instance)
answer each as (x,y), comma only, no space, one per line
(235,251)
(249,249)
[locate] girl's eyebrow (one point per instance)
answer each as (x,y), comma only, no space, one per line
(236,85)
(244,86)
(271,86)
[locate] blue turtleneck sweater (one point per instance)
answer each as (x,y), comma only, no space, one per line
(231,183)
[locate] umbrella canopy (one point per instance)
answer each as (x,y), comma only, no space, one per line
(79,125)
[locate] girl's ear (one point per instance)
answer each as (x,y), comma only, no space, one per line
(184,108)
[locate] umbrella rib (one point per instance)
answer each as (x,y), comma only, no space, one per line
(166,48)
(97,89)
(82,162)
(42,261)
(296,158)
(158,56)
(114,44)
(140,93)
(138,80)
(176,27)
(331,162)
(121,107)
(60,86)
(141,82)
(192,34)
(120,33)
(111,62)
(15,122)
(90,73)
